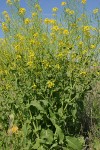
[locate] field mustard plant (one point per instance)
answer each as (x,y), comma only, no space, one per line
(48,68)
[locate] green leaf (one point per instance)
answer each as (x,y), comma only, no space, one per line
(96,144)
(37,144)
(36,104)
(60,133)
(74,143)
(48,135)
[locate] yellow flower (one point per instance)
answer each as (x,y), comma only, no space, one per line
(34,86)
(55,9)
(86,28)
(46,21)
(95,11)
(27,21)
(60,55)
(55,28)
(70,12)
(4,27)
(63,3)
(34,14)
(50,84)
(36,35)
(9,2)
(37,6)
(93,46)
(22,11)
(66,32)
(83,73)
(83,2)
(12,130)
(30,63)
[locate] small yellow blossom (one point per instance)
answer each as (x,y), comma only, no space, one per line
(27,21)
(46,21)
(37,6)
(60,55)
(34,14)
(66,32)
(13,129)
(55,9)
(9,2)
(83,2)
(63,3)
(86,28)
(36,35)
(55,28)
(83,73)
(50,84)
(30,63)
(22,11)
(69,11)
(34,86)
(80,43)
(4,27)
(93,46)
(95,11)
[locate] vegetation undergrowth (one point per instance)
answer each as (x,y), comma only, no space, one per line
(49,74)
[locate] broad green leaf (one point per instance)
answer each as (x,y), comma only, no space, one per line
(74,143)
(36,104)
(48,135)
(60,133)
(96,144)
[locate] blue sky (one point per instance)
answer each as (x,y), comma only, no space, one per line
(47,6)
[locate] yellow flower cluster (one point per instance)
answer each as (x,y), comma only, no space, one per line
(6,15)
(83,73)
(49,21)
(63,3)
(66,32)
(4,27)
(86,29)
(83,1)
(37,6)
(27,21)
(13,129)
(95,11)
(9,2)
(55,9)
(34,14)
(34,86)
(50,84)
(93,46)
(55,28)
(69,11)
(22,11)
